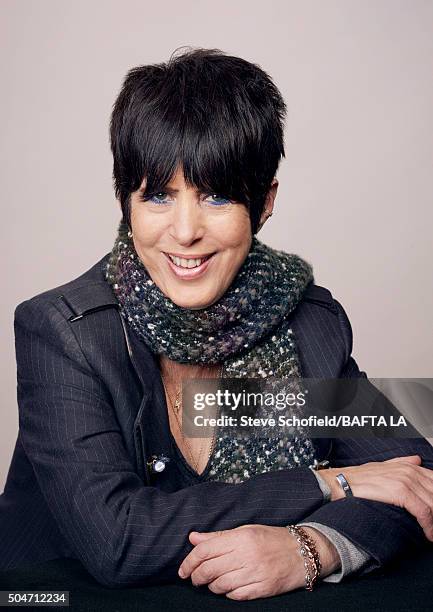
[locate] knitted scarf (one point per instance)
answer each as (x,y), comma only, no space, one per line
(246,330)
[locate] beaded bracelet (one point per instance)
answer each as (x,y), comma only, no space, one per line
(311,557)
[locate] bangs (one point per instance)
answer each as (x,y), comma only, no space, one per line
(208,161)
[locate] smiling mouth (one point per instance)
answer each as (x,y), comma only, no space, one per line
(188,263)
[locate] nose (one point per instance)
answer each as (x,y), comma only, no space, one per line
(187,222)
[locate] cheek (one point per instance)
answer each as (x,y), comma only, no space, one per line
(236,229)
(145,231)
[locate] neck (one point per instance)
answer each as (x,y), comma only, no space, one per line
(175,370)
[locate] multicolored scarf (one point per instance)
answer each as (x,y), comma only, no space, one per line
(246,330)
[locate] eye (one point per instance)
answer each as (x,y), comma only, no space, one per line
(160,197)
(217,200)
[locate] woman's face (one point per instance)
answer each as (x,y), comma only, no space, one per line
(192,244)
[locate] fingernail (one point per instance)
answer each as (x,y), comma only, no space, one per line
(181,573)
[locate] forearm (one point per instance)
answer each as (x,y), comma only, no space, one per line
(125,533)
(382,530)
(274,498)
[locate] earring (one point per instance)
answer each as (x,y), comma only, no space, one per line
(129,234)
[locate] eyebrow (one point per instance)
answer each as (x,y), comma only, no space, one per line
(172,191)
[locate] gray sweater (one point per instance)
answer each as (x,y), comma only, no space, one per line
(353,559)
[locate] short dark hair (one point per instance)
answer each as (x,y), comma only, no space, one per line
(219,117)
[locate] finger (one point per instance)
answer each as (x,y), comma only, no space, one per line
(419,505)
(418,498)
(426,479)
(424,476)
(254,590)
(213,547)
(424,490)
(231,580)
(200,536)
(426,472)
(409,459)
(213,569)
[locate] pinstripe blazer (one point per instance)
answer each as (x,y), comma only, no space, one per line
(92,411)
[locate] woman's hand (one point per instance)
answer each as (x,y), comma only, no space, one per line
(400,481)
(253,561)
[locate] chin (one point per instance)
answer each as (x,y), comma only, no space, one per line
(191,302)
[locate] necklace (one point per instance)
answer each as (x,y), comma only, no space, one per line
(175,408)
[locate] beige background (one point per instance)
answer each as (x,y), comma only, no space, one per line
(356,187)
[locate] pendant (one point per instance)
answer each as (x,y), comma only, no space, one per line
(157,463)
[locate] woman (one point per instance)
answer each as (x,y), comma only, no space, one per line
(101,460)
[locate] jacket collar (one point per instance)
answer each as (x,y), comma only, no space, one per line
(89,292)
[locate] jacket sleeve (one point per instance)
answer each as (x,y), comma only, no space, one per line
(121,530)
(352,558)
(382,530)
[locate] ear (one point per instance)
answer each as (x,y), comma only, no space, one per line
(269,203)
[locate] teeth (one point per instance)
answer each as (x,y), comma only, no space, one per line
(186,263)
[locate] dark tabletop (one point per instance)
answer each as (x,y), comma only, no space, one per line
(407,584)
